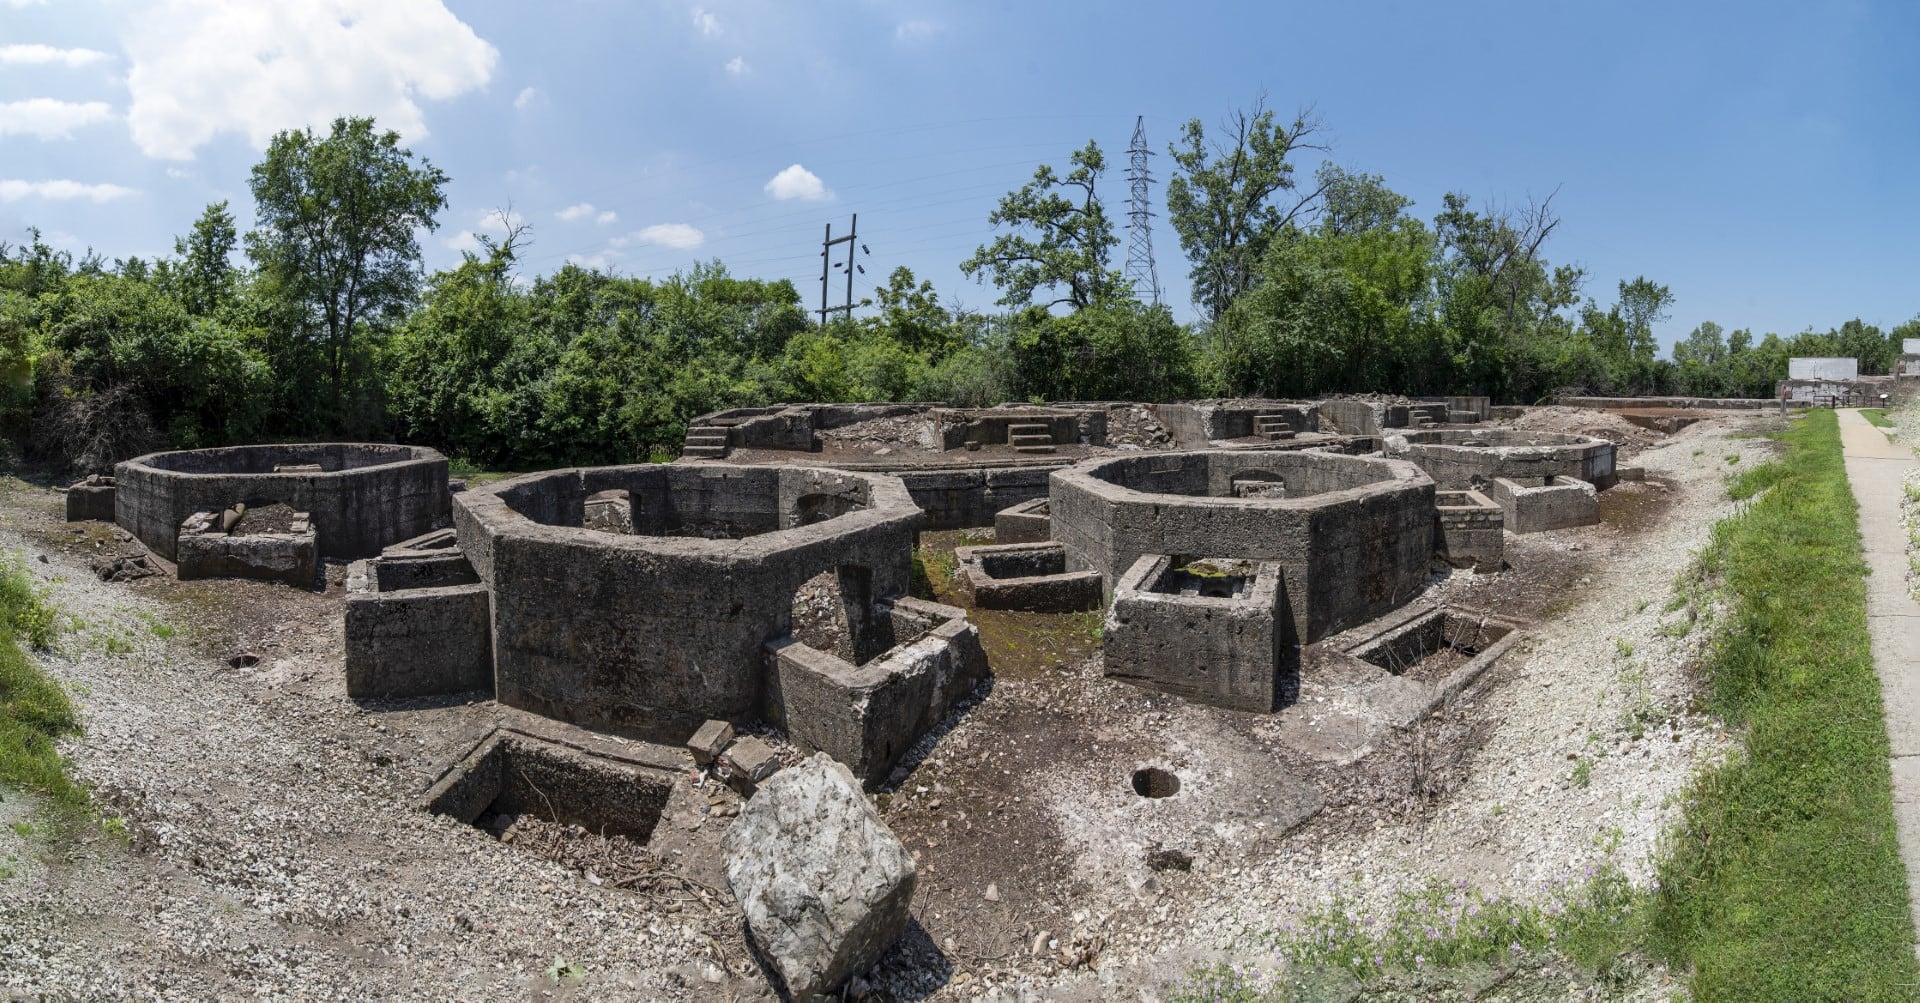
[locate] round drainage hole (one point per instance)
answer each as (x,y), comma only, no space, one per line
(1154,782)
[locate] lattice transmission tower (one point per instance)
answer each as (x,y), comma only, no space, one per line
(1140,270)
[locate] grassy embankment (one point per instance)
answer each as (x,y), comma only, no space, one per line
(34,710)
(1876,416)
(1784,880)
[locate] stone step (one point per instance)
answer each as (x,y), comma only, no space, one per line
(704,452)
(706,438)
(1031,439)
(1034,449)
(1278,436)
(1028,428)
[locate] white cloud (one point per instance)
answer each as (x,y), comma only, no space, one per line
(42,55)
(179,173)
(679,236)
(13,190)
(583,210)
(198,68)
(50,119)
(705,23)
(738,67)
(797,182)
(595,262)
(525,97)
(915,30)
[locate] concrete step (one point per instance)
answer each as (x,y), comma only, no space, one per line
(1034,449)
(1031,439)
(1278,436)
(1028,428)
(704,452)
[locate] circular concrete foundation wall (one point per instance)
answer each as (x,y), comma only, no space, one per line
(653,632)
(1354,535)
(362,496)
(1457,459)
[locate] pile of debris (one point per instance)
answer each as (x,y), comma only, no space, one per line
(125,569)
(880,435)
(1133,426)
(1628,439)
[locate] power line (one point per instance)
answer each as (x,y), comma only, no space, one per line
(1141,273)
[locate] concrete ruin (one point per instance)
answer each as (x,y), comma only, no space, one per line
(240,543)
(1353,534)
(417,622)
(1469,459)
(867,708)
(1027,576)
(91,499)
(362,496)
(661,629)
(1212,630)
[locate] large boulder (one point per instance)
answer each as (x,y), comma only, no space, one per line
(824,884)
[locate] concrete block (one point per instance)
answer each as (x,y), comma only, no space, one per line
(1469,529)
(91,499)
(1028,576)
(1216,631)
(1547,504)
(750,760)
(1027,522)
(868,716)
(205,550)
(418,642)
(711,740)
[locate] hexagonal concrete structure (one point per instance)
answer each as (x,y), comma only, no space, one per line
(362,496)
(1462,459)
(1354,535)
(657,631)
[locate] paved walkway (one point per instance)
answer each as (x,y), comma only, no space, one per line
(1876,467)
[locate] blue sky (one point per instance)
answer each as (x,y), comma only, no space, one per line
(1757,158)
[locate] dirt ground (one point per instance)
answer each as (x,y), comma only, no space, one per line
(273,844)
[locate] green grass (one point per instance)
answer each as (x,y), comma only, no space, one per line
(34,711)
(1876,416)
(1784,880)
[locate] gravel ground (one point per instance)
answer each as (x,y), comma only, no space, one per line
(272,847)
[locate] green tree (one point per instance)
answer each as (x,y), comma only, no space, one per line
(337,247)
(1227,200)
(204,277)
(1072,240)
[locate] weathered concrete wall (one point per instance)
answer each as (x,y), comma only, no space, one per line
(1833,370)
(366,496)
(91,499)
(1460,459)
(1537,507)
(1469,530)
(1354,535)
(1710,403)
(967,497)
(207,551)
(418,641)
(1229,651)
(988,427)
(1194,424)
(1028,576)
(868,716)
(650,632)
(1354,417)
(1022,523)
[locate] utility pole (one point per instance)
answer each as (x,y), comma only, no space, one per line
(1140,269)
(827,264)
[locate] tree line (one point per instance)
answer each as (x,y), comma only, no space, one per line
(319,323)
